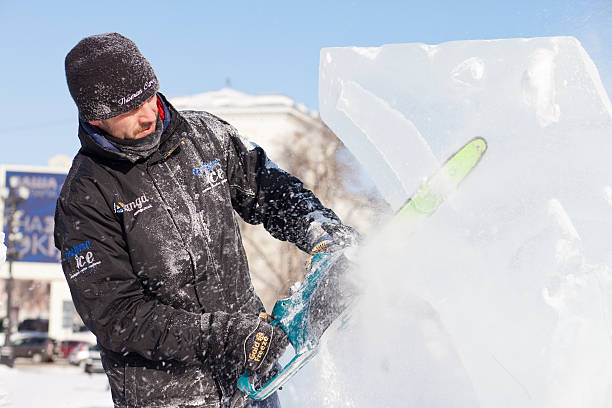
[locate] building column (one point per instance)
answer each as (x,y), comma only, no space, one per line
(61,311)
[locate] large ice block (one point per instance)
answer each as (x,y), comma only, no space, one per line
(514,273)
(399,108)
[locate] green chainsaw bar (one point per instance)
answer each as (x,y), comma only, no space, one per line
(294,314)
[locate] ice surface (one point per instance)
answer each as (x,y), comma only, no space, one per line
(503,298)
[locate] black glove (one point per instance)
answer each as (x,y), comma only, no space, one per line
(240,341)
(336,237)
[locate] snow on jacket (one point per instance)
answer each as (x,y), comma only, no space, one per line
(150,246)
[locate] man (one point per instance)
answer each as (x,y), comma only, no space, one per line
(150,245)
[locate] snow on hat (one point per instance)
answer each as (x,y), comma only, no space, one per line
(108,76)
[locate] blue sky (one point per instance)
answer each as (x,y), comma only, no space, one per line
(263,47)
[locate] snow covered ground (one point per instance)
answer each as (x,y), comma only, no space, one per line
(52,386)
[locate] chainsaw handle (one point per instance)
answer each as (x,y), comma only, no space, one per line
(292,315)
(297,362)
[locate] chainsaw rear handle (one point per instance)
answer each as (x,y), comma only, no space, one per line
(292,315)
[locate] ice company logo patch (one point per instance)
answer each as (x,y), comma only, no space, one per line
(212,172)
(136,205)
(83,256)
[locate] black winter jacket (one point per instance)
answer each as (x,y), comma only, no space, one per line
(150,247)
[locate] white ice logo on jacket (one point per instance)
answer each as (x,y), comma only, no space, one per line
(83,256)
(213,173)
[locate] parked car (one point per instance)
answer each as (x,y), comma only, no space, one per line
(79,354)
(38,348)
(93,364)
(67,346)
(34,325)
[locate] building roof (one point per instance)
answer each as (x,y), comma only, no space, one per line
(228,99)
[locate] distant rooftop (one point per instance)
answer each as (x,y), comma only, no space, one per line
(232,99)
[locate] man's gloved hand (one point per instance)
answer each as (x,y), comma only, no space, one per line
(240,341)
(336,237)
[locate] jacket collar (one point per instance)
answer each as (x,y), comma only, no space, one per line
(94,143)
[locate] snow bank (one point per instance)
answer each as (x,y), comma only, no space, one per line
(52,386)
(503,298)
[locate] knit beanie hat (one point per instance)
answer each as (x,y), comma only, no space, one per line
(108,76)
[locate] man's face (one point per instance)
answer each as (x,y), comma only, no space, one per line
(134,124)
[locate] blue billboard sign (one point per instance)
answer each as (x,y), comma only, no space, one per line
(36,222)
